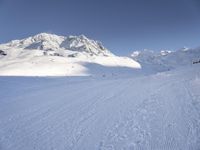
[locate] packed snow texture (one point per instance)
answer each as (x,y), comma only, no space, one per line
(158,112)
(117,104)
(51,55)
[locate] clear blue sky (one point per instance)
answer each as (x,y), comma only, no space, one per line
(121,25)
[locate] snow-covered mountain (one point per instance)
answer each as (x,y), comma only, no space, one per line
(52,42)
(158,111)
(166,60)
(52,55)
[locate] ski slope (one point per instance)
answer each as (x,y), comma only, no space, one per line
(158,112)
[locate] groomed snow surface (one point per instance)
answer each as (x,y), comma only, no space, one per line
(154,112)
(87,98)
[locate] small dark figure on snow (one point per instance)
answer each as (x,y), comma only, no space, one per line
(196,62)
(2,53)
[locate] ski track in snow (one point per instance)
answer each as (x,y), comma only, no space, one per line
(156,112)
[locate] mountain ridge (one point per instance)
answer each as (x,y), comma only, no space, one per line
(166,60)
(47,41)
(52,55)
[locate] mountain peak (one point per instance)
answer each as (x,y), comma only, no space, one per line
(82,36)
(184,49)
(47,54)
(45,36)
(84,44)
(48,41)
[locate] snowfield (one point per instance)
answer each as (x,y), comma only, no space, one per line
(71,93)
(157,112)
(52,55)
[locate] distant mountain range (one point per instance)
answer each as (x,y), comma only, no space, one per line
(166,60)
(52,55)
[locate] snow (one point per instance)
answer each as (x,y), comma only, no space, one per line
(152,61)
(159,111)
(71,93)
(52,55)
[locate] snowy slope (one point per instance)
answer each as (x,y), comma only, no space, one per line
(157,112)
(166,60)
(103,110)
(51,55)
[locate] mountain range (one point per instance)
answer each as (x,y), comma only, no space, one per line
(51,55)
(147,101)
(166,60)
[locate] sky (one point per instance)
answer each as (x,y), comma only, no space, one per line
(122,26)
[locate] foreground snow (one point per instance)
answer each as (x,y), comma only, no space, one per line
(156,112)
